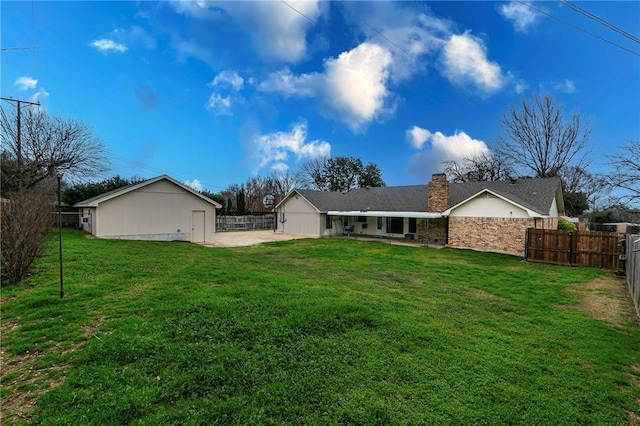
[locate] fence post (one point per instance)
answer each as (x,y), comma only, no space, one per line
(570,248)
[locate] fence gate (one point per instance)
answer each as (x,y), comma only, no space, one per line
(574,248)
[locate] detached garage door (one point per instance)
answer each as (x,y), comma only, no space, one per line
(197,226)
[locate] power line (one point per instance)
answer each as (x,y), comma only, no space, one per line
(576,27)
(600,20)
(21,48)
(300,13)
(156,170)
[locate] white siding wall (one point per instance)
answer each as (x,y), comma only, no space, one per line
(488,205)
(554,209)
(159,211)
(88,224)
(301,218)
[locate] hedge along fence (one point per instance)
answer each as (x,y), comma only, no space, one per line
(633,268)
(70,216)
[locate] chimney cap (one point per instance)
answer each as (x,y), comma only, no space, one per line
(438,177)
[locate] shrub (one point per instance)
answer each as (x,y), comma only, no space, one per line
(26,225)
(567,226)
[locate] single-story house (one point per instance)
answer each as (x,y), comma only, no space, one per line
(160,209)
(491,216)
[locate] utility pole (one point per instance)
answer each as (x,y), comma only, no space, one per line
(18,141)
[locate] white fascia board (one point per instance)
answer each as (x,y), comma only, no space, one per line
(417,215)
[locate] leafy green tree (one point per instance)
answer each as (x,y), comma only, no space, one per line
(82,191)
(340,174)
(217,198)
(240,202)
(371,176)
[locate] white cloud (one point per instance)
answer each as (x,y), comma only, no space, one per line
(26,83)
(353,87)
(287,84)
(408,32)
(417,136)
(219,104)
(519,13)
(465,62)
(228,78)
(108,45)
(227,81)
(277,30)
(275,148)
(356,83)
(520,86)
(280,168)
(194,184)
(457,146)
(441,148)
(565,86)
(39,96)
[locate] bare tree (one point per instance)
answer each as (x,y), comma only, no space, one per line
(581,189)
(280,183)
(48,145)
(26,225)
(480,168)
(538,139)
(313,174)
(626,171)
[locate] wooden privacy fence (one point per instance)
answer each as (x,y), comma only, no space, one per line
(633,268)
(244,223)
(575,248)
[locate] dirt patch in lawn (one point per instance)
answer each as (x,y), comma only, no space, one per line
(24,380)
(606,299)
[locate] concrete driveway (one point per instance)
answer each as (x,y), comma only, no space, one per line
(247,238)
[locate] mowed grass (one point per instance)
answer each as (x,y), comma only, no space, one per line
(317,332)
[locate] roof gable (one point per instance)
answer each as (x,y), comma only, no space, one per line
(536,195)
(95,201)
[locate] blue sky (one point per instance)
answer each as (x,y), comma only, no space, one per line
(215,92)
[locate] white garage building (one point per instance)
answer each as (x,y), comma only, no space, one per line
(160,209)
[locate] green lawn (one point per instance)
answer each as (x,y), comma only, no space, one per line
(319,332)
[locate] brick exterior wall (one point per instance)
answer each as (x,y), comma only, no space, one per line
(435,234)
(494,234)
(438,193)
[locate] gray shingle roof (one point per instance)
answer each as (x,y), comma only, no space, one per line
(534,194)
(411,198)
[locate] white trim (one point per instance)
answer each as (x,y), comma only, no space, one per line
(417,215)
(530,212)
(100,199)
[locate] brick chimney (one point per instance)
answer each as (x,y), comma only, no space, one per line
(438,193)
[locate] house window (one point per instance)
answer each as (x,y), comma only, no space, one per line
(362,219)
(379,222)
(328,223)
(395,225)
(412,225)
